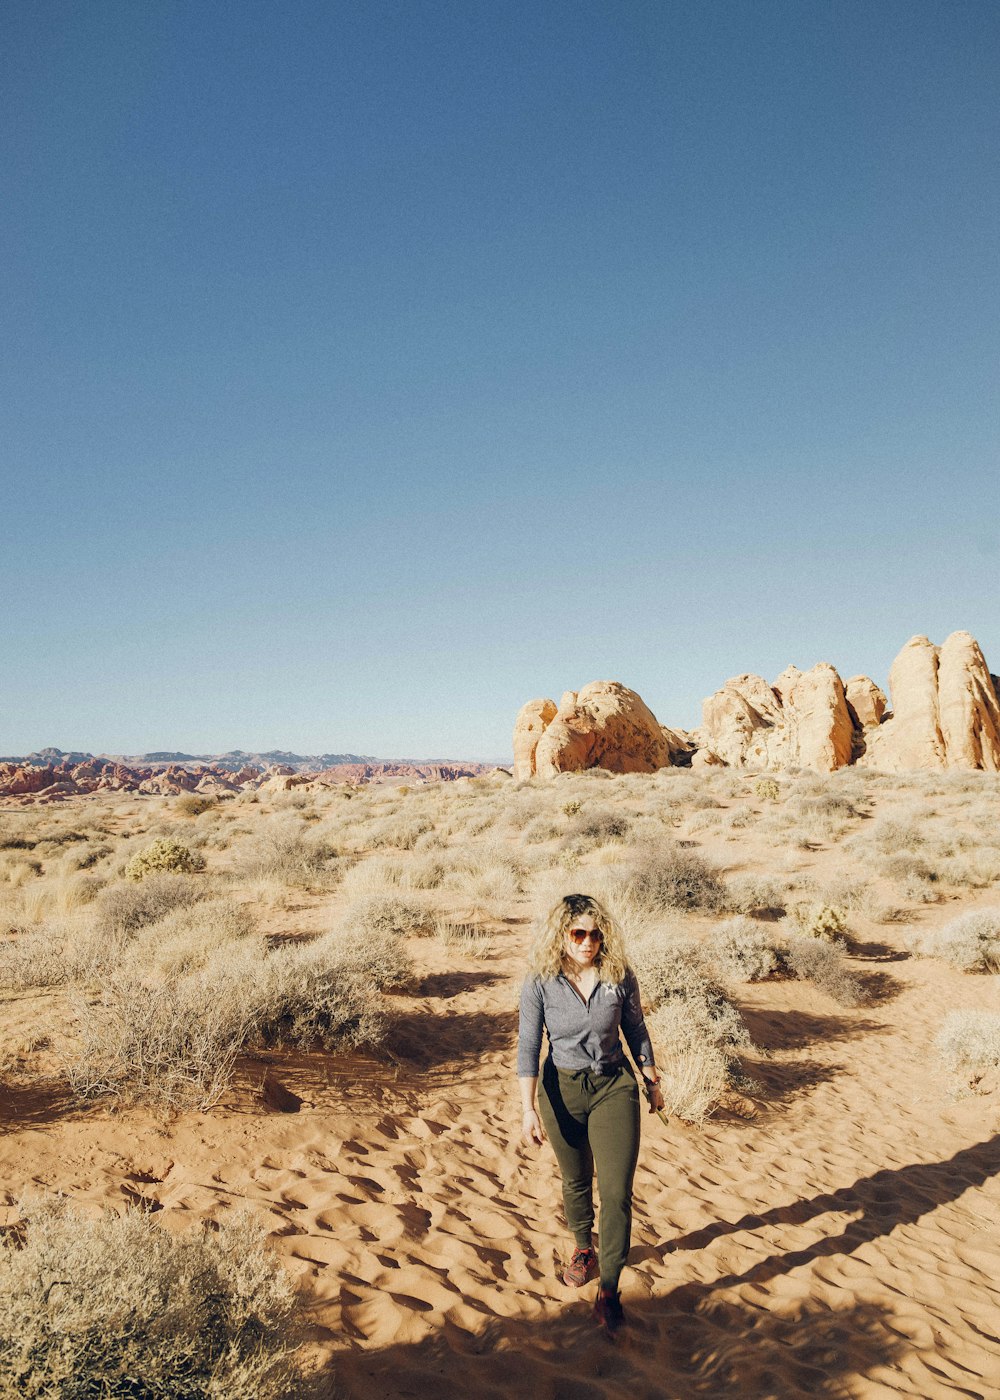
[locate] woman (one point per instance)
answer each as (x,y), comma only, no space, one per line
(582,991)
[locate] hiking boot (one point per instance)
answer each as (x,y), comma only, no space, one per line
(581,1268)
(608,1310)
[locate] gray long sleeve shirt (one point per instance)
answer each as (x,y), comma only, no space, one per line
(581,1035)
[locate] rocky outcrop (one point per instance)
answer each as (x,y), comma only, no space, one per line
(604,725)
(532,720)
(945,709)
(866,702)
(802,720)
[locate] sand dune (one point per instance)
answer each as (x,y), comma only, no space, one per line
(842,1242)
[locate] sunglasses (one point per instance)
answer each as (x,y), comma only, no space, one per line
(580,935)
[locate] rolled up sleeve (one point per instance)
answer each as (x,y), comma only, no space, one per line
(634,1023)
(529,1037)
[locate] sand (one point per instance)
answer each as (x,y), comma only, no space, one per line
(842,1242)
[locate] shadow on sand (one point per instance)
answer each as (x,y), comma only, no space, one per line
(693,1342)
(684,1345)
(883,1200)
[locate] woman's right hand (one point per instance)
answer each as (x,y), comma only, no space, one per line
(531,1128)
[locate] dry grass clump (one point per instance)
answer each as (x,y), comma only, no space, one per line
(825,965)
(742,951)
(189,936)
(596,827)
(969,1044)
(163,857)
(914,876)
(384,914)
(116,1308)
(175,1040)
(971,942)
(192,804)
(470,939)
(753,894)
(696,1029)
(372,877)
(669,876)
(285,850)
(35,957)
(121,910)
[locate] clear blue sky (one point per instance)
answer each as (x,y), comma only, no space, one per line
(368,369)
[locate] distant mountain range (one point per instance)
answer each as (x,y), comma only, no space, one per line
(233,761)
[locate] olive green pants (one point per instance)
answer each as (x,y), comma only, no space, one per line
(593,1120)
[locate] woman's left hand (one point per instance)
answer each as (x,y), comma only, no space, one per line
(655,1096)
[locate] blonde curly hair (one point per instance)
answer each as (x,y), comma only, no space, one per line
(548,952)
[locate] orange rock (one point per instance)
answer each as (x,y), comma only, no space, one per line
(533,718)
(608,726)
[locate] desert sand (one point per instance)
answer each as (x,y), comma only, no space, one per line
(831,1232)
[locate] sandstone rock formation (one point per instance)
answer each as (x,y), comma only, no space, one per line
(604,725)
(945,709)
(866,702)
(800,721)
(529,726)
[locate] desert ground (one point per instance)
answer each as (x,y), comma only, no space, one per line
(313,1017)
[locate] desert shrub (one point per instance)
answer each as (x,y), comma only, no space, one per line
(889,835)
(971,942)
(969,1043)
(821,921)
(694,1073)
(284,850)
(597,826)
(188,937)
(748,894)
(164,1041)
(163,857)
(192,804)
(540,830)
(383,914)
(672,877)
(742,951)
(117,1308)
(120,910)
(571,809)
(975,870)
(668,965)
(35,957)
(697,1035)
(400,832)
(767,789)
(176,1040)
(426,872)
(323,993)
(825,965)
(671,970)
(373,876)
(472,940)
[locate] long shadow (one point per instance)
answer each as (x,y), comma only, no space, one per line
(37,1105)
(452,984)
(785,1080)
(794,1030)
(457,1039)
(674,1348)
(885,1199)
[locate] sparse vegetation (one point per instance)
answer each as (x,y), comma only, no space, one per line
(971,942)
(969,1045)
(163,857)
(116,1308)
